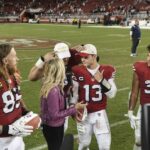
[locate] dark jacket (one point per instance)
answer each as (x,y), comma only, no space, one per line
(136,32)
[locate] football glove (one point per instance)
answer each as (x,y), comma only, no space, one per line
(132,119)
(18,128)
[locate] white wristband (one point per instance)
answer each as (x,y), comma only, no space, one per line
(40,63)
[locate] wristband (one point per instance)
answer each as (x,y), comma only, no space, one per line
(40,63)
(105,85)
(42,58)
(24,111)
(5,129)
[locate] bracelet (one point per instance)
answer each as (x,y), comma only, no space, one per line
(40,63)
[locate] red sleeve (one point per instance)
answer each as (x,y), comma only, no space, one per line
(109,71)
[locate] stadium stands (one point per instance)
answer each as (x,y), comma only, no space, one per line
(113,10)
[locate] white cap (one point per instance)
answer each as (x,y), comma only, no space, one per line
(62,50)
(88,49)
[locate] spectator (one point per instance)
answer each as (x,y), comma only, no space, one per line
(53,110)
(79,23)
(93,83)
(140,84)
(11,104)
(135,36)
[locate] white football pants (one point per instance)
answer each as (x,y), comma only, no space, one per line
(12,143)
(137,145)
(98,124)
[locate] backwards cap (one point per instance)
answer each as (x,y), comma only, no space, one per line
(62,50)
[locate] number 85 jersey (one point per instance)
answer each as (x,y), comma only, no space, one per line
(87,89)
(10,108)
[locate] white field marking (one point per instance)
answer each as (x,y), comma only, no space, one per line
(76,136)
(92,26)
(116,27)
(28,58)
(122,66)
(123,89)
(119,49)
(24,81)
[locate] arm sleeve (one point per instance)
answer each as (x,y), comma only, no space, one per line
(54,109)
(75,96)
(112,92)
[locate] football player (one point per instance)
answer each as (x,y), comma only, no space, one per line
(11,104)
(93,83)
(140,84)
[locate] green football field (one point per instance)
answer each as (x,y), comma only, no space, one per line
(113,48)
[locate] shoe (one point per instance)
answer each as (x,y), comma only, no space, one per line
(133,54)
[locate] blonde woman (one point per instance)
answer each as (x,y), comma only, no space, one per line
(53,110)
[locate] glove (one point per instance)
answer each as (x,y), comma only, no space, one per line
(18,128)
(132,119)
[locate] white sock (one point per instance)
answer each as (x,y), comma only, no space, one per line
(82,147)
(135,147)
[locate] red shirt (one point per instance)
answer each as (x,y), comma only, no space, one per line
(90,89)
(10,107)
(143,73)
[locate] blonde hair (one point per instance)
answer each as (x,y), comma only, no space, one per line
(54,75)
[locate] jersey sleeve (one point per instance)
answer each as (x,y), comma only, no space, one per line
(110,72)
(136,67)
(75,73)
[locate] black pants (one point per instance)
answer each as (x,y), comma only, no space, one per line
(54,136)
(135,43)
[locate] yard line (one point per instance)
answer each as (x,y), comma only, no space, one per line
(123,89)
(39,147)
(27,58)
(122,66)
(76,136)
(24,81)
